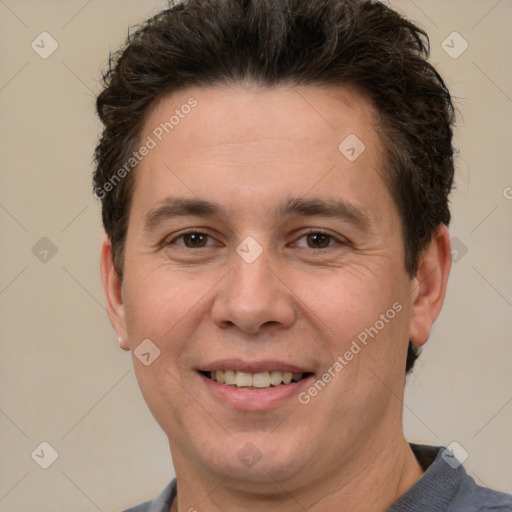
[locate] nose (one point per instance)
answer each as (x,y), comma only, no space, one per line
(254,295)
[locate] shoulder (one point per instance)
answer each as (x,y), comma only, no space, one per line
(474,498)
(445,486)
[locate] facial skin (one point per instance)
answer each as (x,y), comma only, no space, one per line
(249,151)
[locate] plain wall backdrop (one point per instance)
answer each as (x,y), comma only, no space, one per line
(65,382)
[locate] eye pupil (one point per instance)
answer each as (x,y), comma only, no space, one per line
(194,239)
(319,240)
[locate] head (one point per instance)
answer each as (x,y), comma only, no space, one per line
(315,137)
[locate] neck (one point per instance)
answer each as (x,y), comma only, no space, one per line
(381,475)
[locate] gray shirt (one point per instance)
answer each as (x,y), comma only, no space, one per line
(442,488)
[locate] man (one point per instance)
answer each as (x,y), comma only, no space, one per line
(274,176)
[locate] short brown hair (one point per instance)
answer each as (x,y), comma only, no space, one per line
(358,43)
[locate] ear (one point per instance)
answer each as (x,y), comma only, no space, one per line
(430,285)
(112,287)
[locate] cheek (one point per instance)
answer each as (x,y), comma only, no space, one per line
(359,317)
(160,303)
(162,307)
(346,300)
(161,389)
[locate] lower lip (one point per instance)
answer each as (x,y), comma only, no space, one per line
(254,399)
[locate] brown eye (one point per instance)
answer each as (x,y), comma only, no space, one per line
(195,239)
(192,240)
(318,240)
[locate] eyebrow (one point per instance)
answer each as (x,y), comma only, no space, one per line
(337,208)
(179,207)
(314,207)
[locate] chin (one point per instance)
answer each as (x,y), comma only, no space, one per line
(258,460)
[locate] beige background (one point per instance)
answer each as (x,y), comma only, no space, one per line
(63,378)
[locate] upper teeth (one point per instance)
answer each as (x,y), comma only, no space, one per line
(258,380)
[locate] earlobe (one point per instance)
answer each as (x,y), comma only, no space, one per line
(112,286)
(429,285)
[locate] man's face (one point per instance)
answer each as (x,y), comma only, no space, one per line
(302,260)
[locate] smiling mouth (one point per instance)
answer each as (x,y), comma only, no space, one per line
(259,380)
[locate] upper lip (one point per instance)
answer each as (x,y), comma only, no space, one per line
(266,365)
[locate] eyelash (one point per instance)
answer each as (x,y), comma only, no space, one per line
(313,232)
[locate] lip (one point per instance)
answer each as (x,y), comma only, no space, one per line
(255,399)
(266,365)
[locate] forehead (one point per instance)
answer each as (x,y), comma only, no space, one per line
(250,142)
(230,115)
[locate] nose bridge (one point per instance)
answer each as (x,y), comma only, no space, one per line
(252,276)
(253,295)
